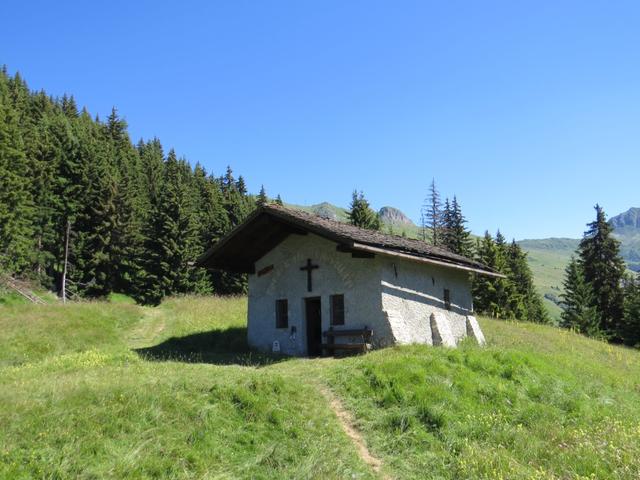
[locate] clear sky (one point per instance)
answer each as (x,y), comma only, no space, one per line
(529,111)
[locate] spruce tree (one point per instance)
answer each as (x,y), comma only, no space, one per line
(278,200)
(599,257)
(262,197)
(524,301)
(432,216)
(446,235)
(630,331)
(78,200)
(455,236)
(360,213)
(578,310)
(177,229)
(490,294)
(16,207)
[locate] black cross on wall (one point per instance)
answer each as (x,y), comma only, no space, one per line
(309,267)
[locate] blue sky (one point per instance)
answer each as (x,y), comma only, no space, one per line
(529,111)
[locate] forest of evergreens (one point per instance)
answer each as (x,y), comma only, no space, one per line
(85,211)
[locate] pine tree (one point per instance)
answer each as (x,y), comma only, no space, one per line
(16,207)
(95,262)
(241,186)
(630,331)
(177,229)
(490,294)
(262,197)
(278,200)
(604,271)
(524,301)
(578,311)
(152,289)
(360,213)
(432,215)
(446,235)
(455,235)
(128,240)
(79,201)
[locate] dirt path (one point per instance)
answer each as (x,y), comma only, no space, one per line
(348,425)
(148,329)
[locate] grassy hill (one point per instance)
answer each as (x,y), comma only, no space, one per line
(113,390)
(548,259)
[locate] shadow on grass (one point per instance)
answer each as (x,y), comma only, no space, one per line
(218,347)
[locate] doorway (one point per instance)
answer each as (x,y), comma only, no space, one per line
(314,326)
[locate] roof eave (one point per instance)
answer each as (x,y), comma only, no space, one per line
(420,259)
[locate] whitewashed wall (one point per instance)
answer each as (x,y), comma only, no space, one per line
(411,292)
(394,297)
(357,278)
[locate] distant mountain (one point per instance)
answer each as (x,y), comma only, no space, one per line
(627,230)
(393,220)
(325,210)
(627,222)
(393,216)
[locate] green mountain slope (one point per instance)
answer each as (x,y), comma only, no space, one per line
(99,390)
(548,259)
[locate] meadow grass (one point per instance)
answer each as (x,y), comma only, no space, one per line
(538,402)
(114,390)
(78,401)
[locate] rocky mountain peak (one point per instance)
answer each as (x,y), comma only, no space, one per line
(629,220)
(393,216)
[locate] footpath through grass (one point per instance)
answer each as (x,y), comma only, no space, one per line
(113,390)
(77,401)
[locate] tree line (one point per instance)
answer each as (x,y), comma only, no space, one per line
(600,298)
(444,225)
(86,212)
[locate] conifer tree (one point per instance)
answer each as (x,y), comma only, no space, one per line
(524,301)
(432,216)
(603,268)
(95,225)
(578,310)
(278,200)
(446,235)
(177,229)
(360,213)
(262,197)
(630,331)
(455,235)
(490,294)
(16,206)
(78,201)
(152,288)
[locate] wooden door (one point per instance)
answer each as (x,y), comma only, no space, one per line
(314,326)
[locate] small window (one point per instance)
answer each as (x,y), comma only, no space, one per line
(282,313)
(337,309)
(447,299)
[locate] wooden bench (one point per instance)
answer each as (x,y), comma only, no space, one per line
(363,344)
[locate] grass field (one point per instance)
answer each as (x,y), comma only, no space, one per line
(113,390)
(548,259)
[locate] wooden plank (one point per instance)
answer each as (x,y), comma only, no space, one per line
(345,346)
(418,259)
(349,333)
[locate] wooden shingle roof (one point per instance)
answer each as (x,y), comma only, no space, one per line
(268,225)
